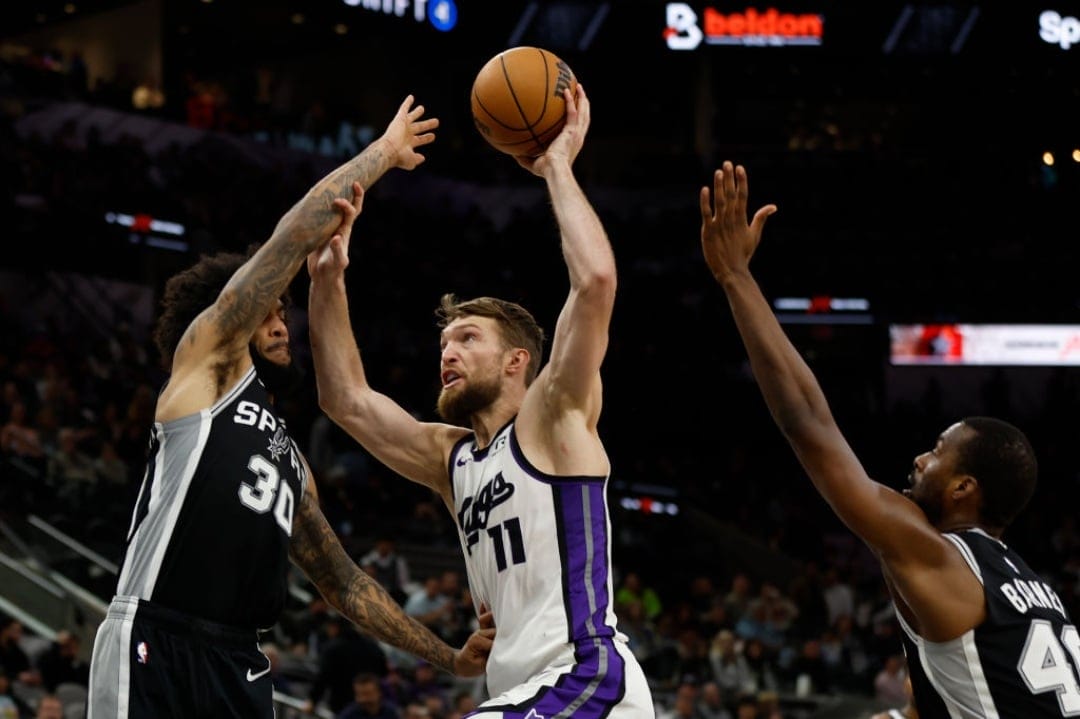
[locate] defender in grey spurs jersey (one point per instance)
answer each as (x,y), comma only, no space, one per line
(228,497)
(526,483)
(984,636)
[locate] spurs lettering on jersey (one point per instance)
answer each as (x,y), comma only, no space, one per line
(268,490)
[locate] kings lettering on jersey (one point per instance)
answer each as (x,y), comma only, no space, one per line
(475,511)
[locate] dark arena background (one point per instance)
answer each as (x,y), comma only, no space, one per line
(925,158)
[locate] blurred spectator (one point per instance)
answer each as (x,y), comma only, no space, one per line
(747,708)
(345,654)
(738,597)
(425,683)
(633,589)
(71,470)
(12,657)
(429,605)
(282,683)
(49,707)
(61,663)
(110,469)
(390,568)
(11,707)
(367,701)
(763,674)
(640,632)
(694,666)
(684,706)
(810,672)
(711,703)
(839,595)
(19,439)
(890,683)
(463,703)
(729,667)
(843,653)
(416,710)
(906,710)
(460,621)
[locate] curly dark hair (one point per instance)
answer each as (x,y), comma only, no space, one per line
(190,292)
(1000,457)
(519,328)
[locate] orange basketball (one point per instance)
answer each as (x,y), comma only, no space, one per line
(517,99)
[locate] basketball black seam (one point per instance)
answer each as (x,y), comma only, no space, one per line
(513,94)
(494,119)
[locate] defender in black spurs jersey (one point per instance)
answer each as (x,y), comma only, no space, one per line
(227,497)
(984,636)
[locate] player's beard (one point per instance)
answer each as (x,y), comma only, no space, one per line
(280,380)
(458,407)
(928,502)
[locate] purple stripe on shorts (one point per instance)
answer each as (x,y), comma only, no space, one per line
(589,691)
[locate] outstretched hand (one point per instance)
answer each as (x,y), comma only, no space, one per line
(333,257)
(726,239)
(471,659)
(567,144)
(406,132)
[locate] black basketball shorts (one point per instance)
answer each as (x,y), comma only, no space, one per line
(150,662)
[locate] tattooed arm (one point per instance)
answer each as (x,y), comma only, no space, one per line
(210,356)
(353,592)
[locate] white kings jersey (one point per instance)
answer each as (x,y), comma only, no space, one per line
(538,554)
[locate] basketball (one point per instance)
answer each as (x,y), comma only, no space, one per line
(517,99)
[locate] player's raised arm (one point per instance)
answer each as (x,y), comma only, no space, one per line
(416,450)
(223,330)
(571,380)
(883,518)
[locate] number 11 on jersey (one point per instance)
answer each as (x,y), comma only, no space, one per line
(517,545)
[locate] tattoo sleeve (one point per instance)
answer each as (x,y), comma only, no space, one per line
(316,550)
(252,291)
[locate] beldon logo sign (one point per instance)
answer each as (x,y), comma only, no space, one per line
(766,28)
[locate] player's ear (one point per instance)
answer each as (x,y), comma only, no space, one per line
(964,486)
(517,361)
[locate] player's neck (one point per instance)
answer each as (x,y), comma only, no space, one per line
(488,421)
(961,525)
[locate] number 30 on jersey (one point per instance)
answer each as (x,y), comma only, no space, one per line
(259,497)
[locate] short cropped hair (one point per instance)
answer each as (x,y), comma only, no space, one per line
(999,456)
(518,327)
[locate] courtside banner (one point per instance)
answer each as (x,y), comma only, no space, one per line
(963,344)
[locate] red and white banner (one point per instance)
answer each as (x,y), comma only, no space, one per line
(964,344)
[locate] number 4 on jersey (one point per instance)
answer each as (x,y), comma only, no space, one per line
(1045,667)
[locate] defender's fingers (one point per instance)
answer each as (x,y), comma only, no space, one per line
(718,191)
(729,180)
(706,204)
(742,187)
(758,223)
